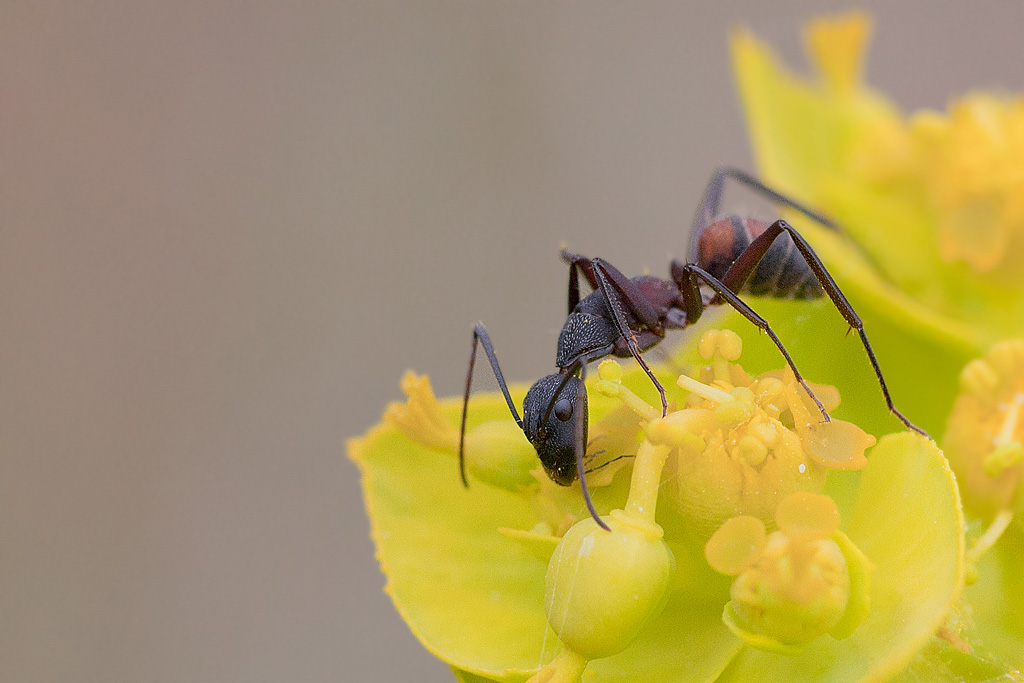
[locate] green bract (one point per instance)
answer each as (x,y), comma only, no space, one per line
(475,595)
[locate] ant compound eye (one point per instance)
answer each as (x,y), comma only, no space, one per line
(563,409)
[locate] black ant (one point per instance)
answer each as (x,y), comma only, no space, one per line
(626,316)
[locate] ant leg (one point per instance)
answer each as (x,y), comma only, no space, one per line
(580,447)
(577,263)
(707,210)
(688,285)
(613,285)
(744,265)
(480,335)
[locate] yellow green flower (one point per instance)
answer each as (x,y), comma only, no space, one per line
(750,540)
(983,443)
(932,253)
(511,582)
(931,203)
(800,582)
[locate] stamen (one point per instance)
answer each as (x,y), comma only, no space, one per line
(1010,423)
(991,535)
(610,374)
(703,390)
(1004,456)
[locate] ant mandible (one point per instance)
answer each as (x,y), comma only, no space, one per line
(626,316)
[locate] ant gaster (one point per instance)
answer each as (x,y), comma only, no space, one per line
(626,316)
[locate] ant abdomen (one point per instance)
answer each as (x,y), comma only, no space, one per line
(782,272)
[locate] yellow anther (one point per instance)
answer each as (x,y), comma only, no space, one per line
(609,370)
(764,431)
(730,346)
(610,373)
(681,429)
(708,344)
(734,412)
(420,417)
(1005,455)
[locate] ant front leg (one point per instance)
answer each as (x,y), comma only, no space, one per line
(580,427)
(710,201)
(686,277)
(480,335)
(747,261)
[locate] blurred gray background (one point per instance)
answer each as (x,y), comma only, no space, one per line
(228,228)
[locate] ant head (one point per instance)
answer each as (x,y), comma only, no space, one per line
(550,423)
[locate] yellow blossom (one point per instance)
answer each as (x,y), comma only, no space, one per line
(741,444)
(749,537)
(931,248)
(931,203)
(986,429)
(792,586)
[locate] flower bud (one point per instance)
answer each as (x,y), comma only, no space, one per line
(985,431)
(796,584)
(796,592)
(603,588)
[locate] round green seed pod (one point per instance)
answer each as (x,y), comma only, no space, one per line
(604,587)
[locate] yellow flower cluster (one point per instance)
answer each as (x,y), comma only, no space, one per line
(966,164)
(985,431)
(792,586)
(741,444)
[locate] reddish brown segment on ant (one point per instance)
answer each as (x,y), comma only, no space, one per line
(716,241)
(625,316)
